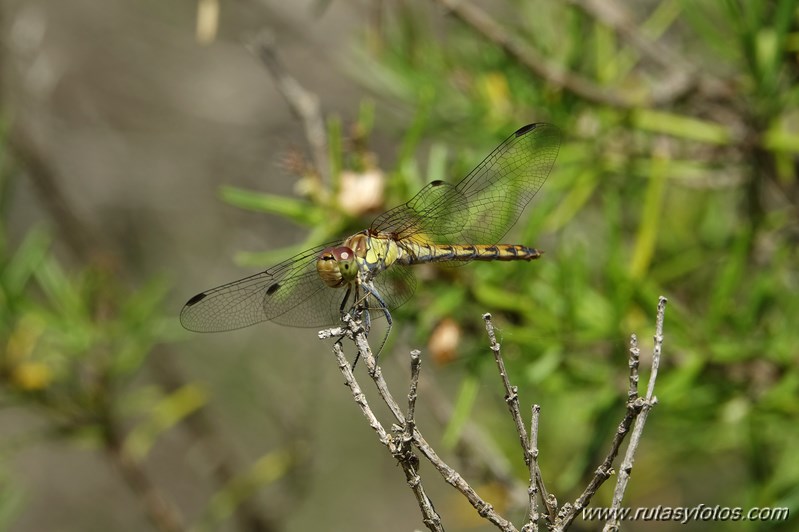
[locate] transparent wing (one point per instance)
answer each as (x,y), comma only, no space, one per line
(395,285)
(487,202)
(289,293)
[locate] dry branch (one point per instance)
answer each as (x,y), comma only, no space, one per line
(397,446)
(681,78)
(354,331)
(526,55)
(512,400)
(534,516)
(644,406)
(302,102)
(407,435)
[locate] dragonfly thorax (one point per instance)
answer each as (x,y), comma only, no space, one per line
(336,266)
(374,252)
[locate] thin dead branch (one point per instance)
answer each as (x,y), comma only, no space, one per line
(302,102)
(399,447)
(534,516)
(637,410)
(512,400)
(475,445)
(354,331)
(646,405)
(406,434)
(526,55)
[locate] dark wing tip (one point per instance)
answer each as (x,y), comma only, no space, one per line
(524,129)
(196,299)
(553,130)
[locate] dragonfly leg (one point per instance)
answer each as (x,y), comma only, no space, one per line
(361,305)
(359,310)
(367,320)
(370,290)
(344,301)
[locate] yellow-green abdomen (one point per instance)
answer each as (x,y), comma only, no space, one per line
(416,253)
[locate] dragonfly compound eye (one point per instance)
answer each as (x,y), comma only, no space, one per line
(336,266)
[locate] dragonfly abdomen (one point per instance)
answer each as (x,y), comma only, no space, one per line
(420,253)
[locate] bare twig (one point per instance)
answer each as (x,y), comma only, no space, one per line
(682,76)
(161,512)
(410,420)
(303,103)
(646,405)
(602,473)
(530,58)
(399,449)
(635,353)
(475,444)
(532,521)
(360,398)
(407,433)
(450,475)
(511,392)
(605,469)
(512,400)
(637,410)
(404,451)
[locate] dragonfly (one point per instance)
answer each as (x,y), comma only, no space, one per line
(371,270)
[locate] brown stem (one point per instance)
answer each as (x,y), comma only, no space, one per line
(555,74)
(512,400)
(162,514)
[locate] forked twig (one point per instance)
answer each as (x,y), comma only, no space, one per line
(637,410)
(512,400)
(645,406)
(450,475)
(407,435)
(398,447)
(475,444)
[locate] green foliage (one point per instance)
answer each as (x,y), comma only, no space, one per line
(71,340)
(71,343)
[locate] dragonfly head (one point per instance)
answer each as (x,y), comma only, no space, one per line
(336,266)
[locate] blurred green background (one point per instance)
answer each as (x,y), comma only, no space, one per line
(147,155)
